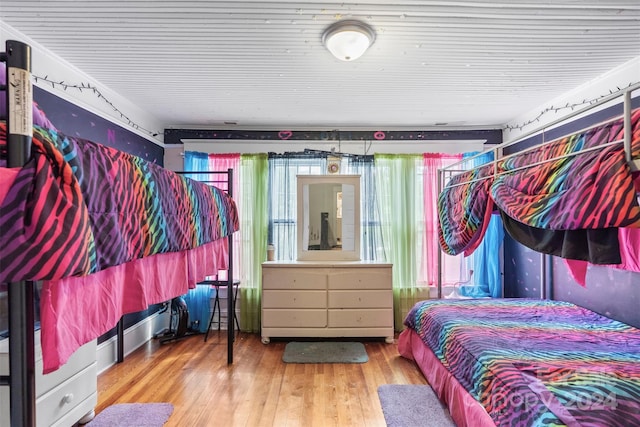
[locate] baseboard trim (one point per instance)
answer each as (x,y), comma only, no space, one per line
(143,331)
(134,337)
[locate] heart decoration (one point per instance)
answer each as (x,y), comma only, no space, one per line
(285,134)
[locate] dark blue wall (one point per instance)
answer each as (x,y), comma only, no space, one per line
(609,291)
(78,122)
(522,270)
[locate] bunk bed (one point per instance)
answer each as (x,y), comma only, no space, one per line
(106,232)
(530,362)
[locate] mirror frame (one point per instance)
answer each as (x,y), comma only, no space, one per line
(327,255)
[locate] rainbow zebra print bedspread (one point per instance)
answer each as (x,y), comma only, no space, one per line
(536,362)
(561,191)
(78,207)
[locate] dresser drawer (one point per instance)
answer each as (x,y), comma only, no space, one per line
(64,404)
(361,299)
(81,358)
(325,299)
(279,318)
(350,318)
(360,278)
(294,299)
(62,396)
(65,396)
(293,278)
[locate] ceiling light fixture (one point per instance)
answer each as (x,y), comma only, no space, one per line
(347,40)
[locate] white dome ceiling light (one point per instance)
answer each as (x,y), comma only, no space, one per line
(348,40)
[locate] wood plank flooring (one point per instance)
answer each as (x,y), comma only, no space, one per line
(258,389)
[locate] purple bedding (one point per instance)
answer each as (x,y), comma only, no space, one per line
(536,362)
(78,207)
(563,193)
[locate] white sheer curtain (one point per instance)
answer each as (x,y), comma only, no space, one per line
(371,247)
(283,169)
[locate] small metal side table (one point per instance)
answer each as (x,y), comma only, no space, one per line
(217,284)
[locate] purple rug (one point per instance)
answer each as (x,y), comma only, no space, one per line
(412,405)
(133,415)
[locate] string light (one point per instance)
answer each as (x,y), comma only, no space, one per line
(571,106)
(87,86)
(96,91)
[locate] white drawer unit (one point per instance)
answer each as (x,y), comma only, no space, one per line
(327,299)
(64,396)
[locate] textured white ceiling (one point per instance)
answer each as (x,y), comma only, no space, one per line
(262,64)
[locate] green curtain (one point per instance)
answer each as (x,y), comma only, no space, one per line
(400,197)
(253,215)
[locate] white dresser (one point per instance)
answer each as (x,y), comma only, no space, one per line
(327,299)
(63,397)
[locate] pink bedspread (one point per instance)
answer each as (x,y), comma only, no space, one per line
(76,310)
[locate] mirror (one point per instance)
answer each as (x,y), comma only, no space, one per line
(328,217)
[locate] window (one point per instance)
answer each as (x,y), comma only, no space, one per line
(283,170)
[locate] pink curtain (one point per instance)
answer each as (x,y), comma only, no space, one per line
(222,162)
(451,272)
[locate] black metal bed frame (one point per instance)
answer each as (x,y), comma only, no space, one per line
(444,174)
(21,294)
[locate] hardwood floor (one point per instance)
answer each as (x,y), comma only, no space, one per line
(258,389)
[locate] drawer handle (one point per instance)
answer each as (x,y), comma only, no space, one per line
(68,398)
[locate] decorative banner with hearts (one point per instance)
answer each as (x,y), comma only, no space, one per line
(490,136)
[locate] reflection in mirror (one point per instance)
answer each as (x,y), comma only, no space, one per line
(329,217)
